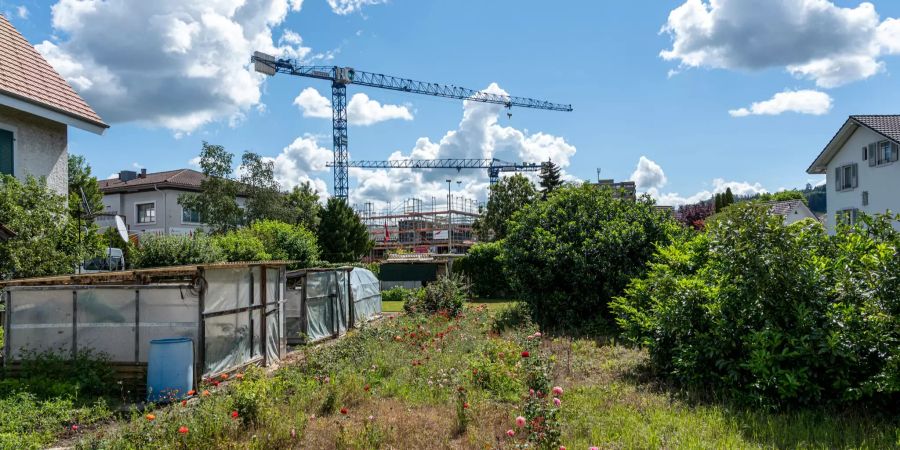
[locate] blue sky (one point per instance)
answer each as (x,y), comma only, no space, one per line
(602,57)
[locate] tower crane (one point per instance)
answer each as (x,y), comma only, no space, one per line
(340,77)
(494,166)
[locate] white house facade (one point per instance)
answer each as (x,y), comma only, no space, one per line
(861,168)
(148,202)
(36,108)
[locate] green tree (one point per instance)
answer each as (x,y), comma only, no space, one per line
(45,241)
(550,178)
(483,267)
(217,200)
(568,256)
(782,196)
(302,207)
(342,235)
(287,242)
(172,250)
(89,242)
(509,195)
(729,197)
(264,198)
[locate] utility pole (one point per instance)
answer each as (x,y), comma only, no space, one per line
(449,220)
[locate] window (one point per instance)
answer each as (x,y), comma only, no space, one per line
(190,216)
(146,212)
(846,177)
(883,152)
(846,216)
(6,152)
(865,198)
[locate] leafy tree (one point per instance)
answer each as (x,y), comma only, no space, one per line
(568,256)
(773,314)
(242,245)
(342,235)
(264,198)
(302,207)
(217,201)
(483,267)
(509,195)
(782,196)
(45,240)
(287,242)
(550,178)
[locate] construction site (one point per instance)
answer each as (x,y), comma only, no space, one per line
(416,226)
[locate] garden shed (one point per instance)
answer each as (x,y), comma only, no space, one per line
(231,311)
(324,303)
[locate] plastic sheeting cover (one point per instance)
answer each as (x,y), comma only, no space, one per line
(228,289)
(366,291)
(40,321)
(168,313)
(106,322)
(227,342)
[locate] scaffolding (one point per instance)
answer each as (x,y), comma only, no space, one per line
(419,227)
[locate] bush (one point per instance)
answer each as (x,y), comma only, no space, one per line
(242,245)
(48,375)
(284,241)
(568,256)
(484,269)
(445,296)
(162,251)
(772,314)
(400,294)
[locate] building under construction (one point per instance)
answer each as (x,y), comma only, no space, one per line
(417,226)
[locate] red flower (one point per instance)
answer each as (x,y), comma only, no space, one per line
(224,376)
(366,388)
(215,383)
(239,376)
(191,393)
(344,411)
(466,405)
(234,414)
(184,403)
(525,354)
(183,429)
(74,427)
(151,417)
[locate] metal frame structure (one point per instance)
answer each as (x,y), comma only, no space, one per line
(494,166)
(340,77)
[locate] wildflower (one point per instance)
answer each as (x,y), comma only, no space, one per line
(344,411)
(537,334)
(466,405)
(510,433)
(224,376)
(239,376)
(525,354)
(215,383)
(191,393)
(593,448)
(205,393)
(151,417)
(184,403)
(562,447)
(327,380)
(557,391)
(366,388)
(234,414)
(183,430)
(556,401)
(520,421)
(531,392)
(293,433)
(74,427)
(371,418)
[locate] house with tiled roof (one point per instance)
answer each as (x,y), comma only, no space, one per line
(861,169)
(148,202)
(791,210)
(36,108)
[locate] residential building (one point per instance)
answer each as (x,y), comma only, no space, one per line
(791,210)
(861,169)
(36,108)
(622,190)
(148,202)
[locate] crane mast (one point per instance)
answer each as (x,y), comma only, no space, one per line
(340,77)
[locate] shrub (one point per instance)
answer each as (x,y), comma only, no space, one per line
(48,375)
(161,251)
(287,242)
(568,256)
(773,314)
(242,245)
(511,317)
(446,295)
(484,270)
(399,294)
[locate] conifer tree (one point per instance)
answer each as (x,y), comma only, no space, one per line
(550,178)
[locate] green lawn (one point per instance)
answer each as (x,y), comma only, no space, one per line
(492,304)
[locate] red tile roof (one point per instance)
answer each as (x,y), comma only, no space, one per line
(26,75)
(182,178)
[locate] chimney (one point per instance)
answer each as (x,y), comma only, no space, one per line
(143,173)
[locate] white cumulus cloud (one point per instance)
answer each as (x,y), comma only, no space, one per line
(300,161)
(344,7)
(648,174)
(178,64)
(361,110)
(813,39)
(802,102)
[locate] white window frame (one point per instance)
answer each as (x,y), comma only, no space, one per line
(842,215)
(15,132)
(183,209)
(840,177)
(137,214)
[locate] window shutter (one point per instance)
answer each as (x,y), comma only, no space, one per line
(837,178)
(865,150)
(873,147)
(6,152)
(854,178)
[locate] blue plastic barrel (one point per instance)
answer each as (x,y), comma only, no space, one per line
(170,369)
